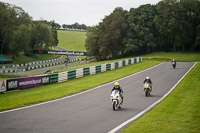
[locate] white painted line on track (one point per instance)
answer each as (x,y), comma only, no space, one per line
(151,106)
(77,93)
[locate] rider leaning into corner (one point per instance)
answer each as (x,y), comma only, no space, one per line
(117,87)
(148,80)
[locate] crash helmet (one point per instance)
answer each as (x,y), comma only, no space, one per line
(147,77)
(116,85)
(173,60)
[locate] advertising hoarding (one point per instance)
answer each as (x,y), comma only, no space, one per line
(2,86)
(24,83)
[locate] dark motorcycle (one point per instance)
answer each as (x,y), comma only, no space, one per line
(174,65)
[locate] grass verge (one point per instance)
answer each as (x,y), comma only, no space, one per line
(180,57)
(22,59)
(22,98)
(178,113)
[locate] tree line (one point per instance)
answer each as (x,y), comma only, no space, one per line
(170,25)
(75,26)
(19,33)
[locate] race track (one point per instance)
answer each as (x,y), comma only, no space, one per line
(91,111)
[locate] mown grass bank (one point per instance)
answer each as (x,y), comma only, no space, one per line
(22,59)
(178,113)
(180,57)
(72,40)
(49,92)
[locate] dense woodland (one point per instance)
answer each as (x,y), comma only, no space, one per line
(18,33)
(170,25)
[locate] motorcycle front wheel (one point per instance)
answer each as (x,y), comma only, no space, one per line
(114,105)
(146,92)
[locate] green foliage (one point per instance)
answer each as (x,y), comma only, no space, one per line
(107,39)
(75,26)
(20,40)
(42,35)
(19,33)
(141,33)
(91,42)
(170,25)
(15,26)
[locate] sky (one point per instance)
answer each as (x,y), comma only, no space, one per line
(88,12)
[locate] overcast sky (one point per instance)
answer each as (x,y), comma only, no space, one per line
(89,12)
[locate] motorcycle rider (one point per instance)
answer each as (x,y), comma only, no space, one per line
(173,61)
(117,87)
(148,80)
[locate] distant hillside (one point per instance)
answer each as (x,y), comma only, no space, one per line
(72,40)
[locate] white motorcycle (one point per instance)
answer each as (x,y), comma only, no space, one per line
(116,99)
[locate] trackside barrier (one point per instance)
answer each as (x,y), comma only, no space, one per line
(86,71)
(30,82)
(71,74)
(79,73)
(62,77)
(98,69)
(53,78)
(108,67)
(103,68)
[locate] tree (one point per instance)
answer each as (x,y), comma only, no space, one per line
(14,22)
(91,42)
(112,33)
(42,36)
(141,32)
(7,20)
(20,40)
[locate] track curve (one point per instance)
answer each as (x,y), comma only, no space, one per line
(91,111)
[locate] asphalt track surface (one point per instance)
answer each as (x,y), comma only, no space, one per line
(91,111)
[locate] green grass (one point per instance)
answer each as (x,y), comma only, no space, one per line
(49,92)
(72,40)
(178,113)
(24,59)
(184,57)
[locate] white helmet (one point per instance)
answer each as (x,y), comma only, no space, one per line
(147,77)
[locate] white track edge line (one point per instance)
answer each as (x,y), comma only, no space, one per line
(151,106)
(77,93)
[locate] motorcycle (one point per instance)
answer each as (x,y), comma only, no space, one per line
(174,65)
(147,89)
(116,99)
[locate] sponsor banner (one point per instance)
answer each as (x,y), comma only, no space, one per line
(12,84)
(25,83)
(75,53)
(2,86)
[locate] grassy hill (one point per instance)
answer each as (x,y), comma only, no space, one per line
(72,40)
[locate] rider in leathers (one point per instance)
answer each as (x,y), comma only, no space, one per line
(117,87)
(148,80)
